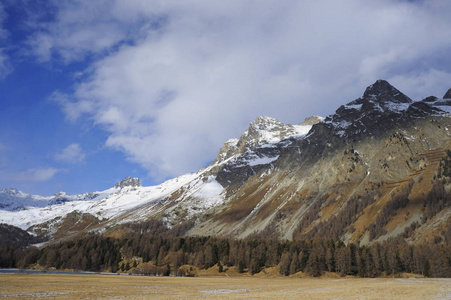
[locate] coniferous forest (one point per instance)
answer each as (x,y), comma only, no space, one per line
(167,253)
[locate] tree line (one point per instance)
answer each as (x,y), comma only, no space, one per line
(175,255)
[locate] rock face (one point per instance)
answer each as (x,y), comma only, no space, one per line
(380,108)
(447,95)
(264,132)
(128,182)
(312,120)
(378,168)
(259,146)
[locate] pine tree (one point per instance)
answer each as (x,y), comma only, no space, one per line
(284,266)
(294,265)
(427,268)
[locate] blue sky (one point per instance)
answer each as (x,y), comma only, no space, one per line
(93,91)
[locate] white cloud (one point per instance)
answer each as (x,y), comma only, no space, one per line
(431,82)
(180,77)
(71,154)
(83,28)
(72,109)
(36,175)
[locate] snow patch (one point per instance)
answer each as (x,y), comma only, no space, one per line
(354,106)
(210,192)
(397,107)
(262,160)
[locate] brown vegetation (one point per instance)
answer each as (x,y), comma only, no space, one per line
(166,254)
(27,286)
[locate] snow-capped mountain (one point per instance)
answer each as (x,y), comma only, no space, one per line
(23,210)
(14,200)
(379,167)
(195,192)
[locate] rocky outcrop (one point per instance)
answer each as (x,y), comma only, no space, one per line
(312,120)
(128,182)
(380,108)
(447,95)
(258,147)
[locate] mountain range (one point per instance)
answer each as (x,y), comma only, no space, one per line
(378,168)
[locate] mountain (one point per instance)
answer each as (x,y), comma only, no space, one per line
(378,168)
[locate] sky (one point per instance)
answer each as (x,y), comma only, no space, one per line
(94,91)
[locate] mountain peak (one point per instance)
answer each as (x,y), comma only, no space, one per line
(382,91)
(447,95)
(128,181)
(264,122)
(10,191)
(380,107)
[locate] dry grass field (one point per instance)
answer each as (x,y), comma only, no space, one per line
(50,286)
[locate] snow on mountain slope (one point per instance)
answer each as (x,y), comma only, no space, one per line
(128,201)
(15,200)
(105,205)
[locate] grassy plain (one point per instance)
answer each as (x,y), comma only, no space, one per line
(50,286)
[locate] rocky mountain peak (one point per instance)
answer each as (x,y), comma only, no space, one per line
(380,107)
(258,146)
(268,131)
(128,181)
(382,91)
(262,130)
(262,124)
(447,95)
(228,150)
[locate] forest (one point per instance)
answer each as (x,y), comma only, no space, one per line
(167,253)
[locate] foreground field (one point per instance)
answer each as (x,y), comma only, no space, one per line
(48,286)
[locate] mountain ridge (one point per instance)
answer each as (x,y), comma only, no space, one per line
(366,173)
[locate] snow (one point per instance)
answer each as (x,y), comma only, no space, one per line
(268,131)
(340,133)
(196,192)
(13,200)
(354,106)
(397,107)
(301,130)
(232,142)
(445,108)
(107,204)
(210,192)
(343,124)
(262,160)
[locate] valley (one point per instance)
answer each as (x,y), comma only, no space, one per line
(373,177)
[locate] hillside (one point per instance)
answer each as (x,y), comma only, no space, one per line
(377,168)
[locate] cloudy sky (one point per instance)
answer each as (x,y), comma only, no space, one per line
(93,91)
